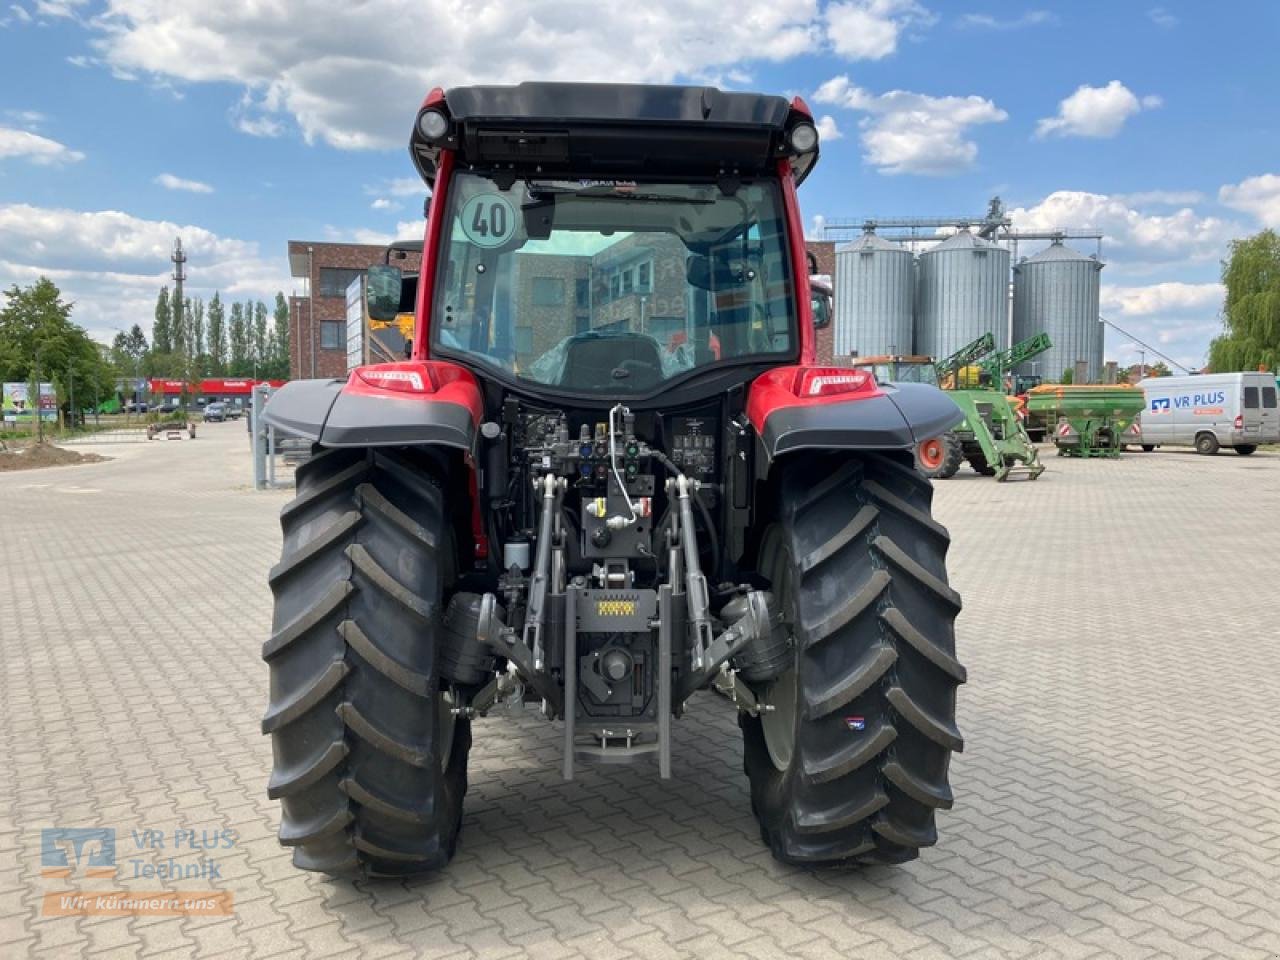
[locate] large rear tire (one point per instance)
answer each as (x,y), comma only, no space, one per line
(370,763)
(848,762)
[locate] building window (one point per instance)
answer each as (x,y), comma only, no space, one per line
(548,292)
(615,287)
(644,274)
(582,292)
(331,336)
(335,280)
(626,281)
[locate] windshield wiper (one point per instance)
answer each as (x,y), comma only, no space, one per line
(611,193)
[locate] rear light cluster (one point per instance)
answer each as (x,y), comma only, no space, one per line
(404,380)
(832,381)
(1239,421)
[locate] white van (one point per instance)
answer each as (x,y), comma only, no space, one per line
(1210,411)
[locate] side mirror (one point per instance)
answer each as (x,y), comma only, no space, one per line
(382,292)
(820,302)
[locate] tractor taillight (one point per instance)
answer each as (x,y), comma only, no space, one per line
(405,381)
(833,381)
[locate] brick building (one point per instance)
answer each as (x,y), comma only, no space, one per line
(317,321)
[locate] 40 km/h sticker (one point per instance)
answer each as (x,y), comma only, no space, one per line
(488,219)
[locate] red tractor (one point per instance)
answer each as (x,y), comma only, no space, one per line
(610,476)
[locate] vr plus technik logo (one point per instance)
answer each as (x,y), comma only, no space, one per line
(84,851)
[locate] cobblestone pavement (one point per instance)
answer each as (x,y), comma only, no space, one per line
(1119,795)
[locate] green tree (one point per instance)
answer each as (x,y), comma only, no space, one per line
(238,335)
(37,336)
(162,329)
(1251,314)
(280,356)
(217,336)
(177,326)
(197,327)
(260,355)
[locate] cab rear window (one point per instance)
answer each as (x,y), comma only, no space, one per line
(1251,398)
(1269,398)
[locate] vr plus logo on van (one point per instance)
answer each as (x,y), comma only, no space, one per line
(1211,398)
(1160,405)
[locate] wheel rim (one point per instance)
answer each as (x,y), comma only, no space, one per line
(778,713)
(932,453)
(779,722)
(448,721)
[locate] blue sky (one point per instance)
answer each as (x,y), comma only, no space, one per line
(243,125)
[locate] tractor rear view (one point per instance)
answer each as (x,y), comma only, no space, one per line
(610,476)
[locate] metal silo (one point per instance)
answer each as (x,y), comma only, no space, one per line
(874,293)
(1056,292)
(963,292)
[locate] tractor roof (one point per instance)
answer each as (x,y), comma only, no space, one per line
(600,129)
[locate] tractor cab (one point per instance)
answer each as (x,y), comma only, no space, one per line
(900,369)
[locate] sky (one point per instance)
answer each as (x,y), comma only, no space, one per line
(242,124)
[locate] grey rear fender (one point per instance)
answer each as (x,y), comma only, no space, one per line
(899,417)
(328,413)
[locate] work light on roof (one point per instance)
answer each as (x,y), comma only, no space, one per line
(433,124)
(804,137)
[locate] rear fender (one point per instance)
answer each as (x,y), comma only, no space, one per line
(433,402)
(893,417)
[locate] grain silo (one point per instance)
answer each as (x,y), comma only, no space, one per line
(1056,292)
(963,292)
(874,295)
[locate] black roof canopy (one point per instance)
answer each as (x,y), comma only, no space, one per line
(598,129)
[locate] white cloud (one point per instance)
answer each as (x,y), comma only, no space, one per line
(985,21)
(404,230)
(65,9)
(382,203)
(1098,112)
(908,132)
(19,13)
(35,148)
(869,29)
(1129,234)
(112,264)
(1162,298)
(351,75)
(1175,319)
(170,182)
(30,119)
(827,129)
(1258,196)
(1162,18)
